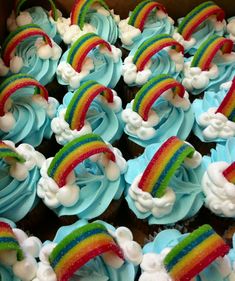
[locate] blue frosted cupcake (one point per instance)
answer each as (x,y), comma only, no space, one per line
(112,254)
(85,111)
(30,50)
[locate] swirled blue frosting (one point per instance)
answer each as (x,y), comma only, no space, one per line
(170,238)
(186,183)
(32,123)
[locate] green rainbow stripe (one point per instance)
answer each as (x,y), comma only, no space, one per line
(152,90)
(193,254)
(15,82)
(227,107)
(229,173)
(82,47)
(74,153)
(163,165)
(17,36)
(8,241)
(6,151)
(19,3)
(81,246)
(77,109)
(81,8)
(196,17)
(209,48)
(153,45)
(142,10)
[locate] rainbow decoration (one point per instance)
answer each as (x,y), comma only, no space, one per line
(193,254)
(153,45)
(19,3)
(16,82)
(8,241)
(152,90)
(196,17)
(81,246)
(82,47)
(17,36)
(77,109)
(227,107)
(7,151)
(209,48)
(229,173)
(74,153)
(142,10)
(80,9)
(163,165)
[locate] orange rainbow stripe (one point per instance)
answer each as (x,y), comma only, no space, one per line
(152,46)
(141,12)
(15,82)
(196,17)
(77,109)
(82,47)
(7,151)
(17,36)
(229,173)
(74,153)
(152,90)
(209,48)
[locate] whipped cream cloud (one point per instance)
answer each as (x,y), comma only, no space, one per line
(231,29)
(13,22)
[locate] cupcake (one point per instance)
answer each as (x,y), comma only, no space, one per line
(164,183)
(111,255)
(83,179)
(24,52)
(18,253)
(85,61)
(212,65)
(218,181)
(214,115)
(159,110)
(85,111)
(200,255)
(149,18)
(26,117)
(203,21)
(89,16)
(36,15)
(20,173)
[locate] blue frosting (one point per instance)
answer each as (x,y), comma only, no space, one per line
(170,238)
(6,274)
(186,183)
(33,124)
(174,121)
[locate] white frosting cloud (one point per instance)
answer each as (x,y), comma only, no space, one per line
(115,53)
(219,192)
(231,29)
(14,22)
(216,125)
(186,43)
(127,32)
(144,201)
(45,52)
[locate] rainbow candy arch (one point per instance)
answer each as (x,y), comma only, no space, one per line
(209,48)
(7,151)
(77,109)
(80,9)
(152,90)
(16,82)
(163,165)
(227,106)
(74,153)
(193,254)
(196,17)
(141,12)
(8,241)
(82,47)
(152,46)
(81,246)
(19,3)
(229,173)
(17,36)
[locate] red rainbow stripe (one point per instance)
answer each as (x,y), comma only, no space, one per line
(17,36)
(229,173)
(16,82)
